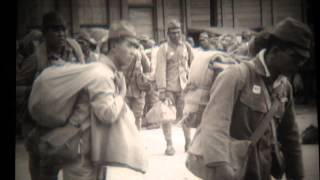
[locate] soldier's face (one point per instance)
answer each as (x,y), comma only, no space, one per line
(175,35)
(56,36)
(126,51)
(204,42)
(287,60)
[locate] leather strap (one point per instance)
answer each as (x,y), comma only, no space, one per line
(264,124)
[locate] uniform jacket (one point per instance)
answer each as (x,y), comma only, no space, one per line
(115,140)
(142,65)
(173,66)
(238,100)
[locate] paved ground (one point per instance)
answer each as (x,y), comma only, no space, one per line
(163,167)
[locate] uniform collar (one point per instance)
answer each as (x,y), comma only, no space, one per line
(262,69)
(259,64)
(262,60)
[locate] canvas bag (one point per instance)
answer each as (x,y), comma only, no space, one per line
(161,112)
(55,90)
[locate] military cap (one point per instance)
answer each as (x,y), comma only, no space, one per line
(123,29)
(203,35)
(295,33)
(174,24)
(53,19)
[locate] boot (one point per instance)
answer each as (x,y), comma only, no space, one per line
(170,151)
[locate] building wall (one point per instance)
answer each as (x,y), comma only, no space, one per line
(200,13)
(93,12)
(191,13)
(257,13)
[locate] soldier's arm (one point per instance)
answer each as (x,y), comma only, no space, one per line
(289,137)
(105,103)
(217,116)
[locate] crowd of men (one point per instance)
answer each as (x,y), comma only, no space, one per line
(223,88)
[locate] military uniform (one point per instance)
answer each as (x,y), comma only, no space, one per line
(136,97)
(238,99)
(37,62)
(172,70)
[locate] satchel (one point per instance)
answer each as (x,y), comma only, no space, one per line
(161,112)
(64,144)
(278,162)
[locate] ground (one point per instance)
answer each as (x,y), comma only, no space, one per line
(163,167)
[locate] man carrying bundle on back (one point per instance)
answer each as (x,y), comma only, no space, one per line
(83,108)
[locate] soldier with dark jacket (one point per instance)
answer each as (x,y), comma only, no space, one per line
(56,48)
(240,97)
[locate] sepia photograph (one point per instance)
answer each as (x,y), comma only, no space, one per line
(166,90)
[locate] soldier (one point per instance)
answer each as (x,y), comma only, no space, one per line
(138,84)
(56,48)
(88,45)
(173,60)
(204,42)
(227,43)
(240,98)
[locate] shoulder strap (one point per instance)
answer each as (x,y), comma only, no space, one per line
(264,123)
(265,120)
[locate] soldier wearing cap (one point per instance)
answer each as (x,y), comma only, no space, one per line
(240,97)
(56,48)
(102,104)
(57,45)
(173,60)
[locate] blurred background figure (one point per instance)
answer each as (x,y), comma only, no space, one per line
(227,42)
(151,95)
(253,46)
(88,46)
(29,42)
(138,83)
(246,36)
(204,42)
(190,41)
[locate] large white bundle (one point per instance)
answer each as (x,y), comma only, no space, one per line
(200,78)
(203,71)
(55,91)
